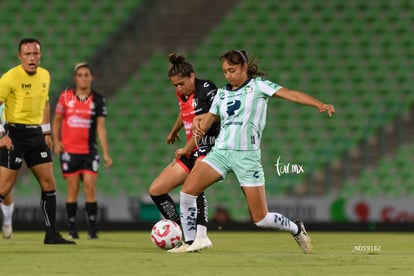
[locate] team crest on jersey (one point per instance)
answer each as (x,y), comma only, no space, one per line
(249,89)
(194,103)
(71,103)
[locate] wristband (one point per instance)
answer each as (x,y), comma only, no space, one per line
(45,128)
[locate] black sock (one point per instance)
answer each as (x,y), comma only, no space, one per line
(202,210)
(167,208)
(92,213)
(71,209)
(48,206)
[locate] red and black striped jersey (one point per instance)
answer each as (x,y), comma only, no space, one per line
(78,128)
(198,103)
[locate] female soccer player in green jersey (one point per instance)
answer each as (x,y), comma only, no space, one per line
(241,108)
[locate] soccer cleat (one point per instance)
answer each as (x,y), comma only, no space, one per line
(181,248)
(56,238)
(92,235)
(73,234)
(7,231)
(199,243)
(302,238)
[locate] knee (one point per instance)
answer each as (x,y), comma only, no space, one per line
(48,184)
(161,187)
(89,190)
(152,190)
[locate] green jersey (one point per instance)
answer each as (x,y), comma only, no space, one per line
(243,113)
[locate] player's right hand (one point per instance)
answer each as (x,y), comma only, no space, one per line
(6,142)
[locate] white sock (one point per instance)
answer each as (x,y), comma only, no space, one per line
(279,222)
(188,215)
(201,231)
(7,213)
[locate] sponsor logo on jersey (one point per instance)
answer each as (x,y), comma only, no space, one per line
(78,122)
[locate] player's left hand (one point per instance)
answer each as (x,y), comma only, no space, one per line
(49,142)
(108,161)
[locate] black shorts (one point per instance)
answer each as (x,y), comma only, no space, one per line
(28,145)
(72,164)
(188,161)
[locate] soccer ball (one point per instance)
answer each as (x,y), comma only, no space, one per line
(166,234)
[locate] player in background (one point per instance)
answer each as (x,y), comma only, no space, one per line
(24,90)
(80,117)
(194,98)
(7,205)
(241,107)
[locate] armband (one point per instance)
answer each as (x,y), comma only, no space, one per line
(45,128)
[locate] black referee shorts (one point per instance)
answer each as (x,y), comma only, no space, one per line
(28,145)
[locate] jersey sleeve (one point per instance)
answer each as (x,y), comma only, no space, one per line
(268,88)
(5,87)
(101,107)
(48,77)
(206,90)
(215,105)
(211,93)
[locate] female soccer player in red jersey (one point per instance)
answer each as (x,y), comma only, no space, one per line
(80,117)
(194,98)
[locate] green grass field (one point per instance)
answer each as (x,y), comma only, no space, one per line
(233,253)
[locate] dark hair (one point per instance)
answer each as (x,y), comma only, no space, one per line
(235,57)
(82,65)
(179,66)
(28,40)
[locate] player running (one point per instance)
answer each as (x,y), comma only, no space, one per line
(241,107)
(194,98)
(80,117)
